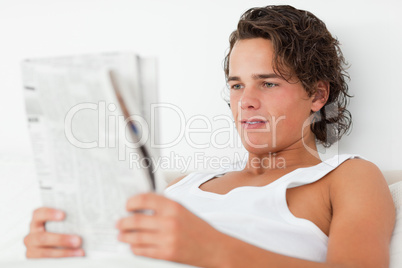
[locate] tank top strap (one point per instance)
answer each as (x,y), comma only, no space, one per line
(312,174)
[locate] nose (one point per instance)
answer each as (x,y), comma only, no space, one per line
(249,99)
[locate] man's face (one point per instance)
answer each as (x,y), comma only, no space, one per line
(278,108)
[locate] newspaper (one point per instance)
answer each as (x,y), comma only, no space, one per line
(83,142)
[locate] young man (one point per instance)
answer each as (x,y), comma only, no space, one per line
(287,90)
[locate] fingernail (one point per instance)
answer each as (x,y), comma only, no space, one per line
(78,253)
(120,236)
(59,215)
(75,241)
(117,225)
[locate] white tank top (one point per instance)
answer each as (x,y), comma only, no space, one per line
(259,215)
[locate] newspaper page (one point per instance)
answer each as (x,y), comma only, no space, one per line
(82,144)
(148,83)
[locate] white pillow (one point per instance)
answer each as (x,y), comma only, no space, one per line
(396,240)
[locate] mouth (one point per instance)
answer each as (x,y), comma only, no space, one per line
(255,123)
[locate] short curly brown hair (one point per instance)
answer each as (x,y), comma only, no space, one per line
(303,47)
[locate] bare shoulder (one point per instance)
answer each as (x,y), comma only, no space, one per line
(357,173)
(358,178)
(175,181)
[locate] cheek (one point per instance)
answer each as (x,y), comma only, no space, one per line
(295,116)
(234,104)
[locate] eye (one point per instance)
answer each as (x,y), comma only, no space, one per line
(269,85)
(236,86)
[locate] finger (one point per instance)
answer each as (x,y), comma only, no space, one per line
(145,250)
(54,253)
(42,215)
(156,252)
(139,238)
(158,203)
(45,239)
(139,222)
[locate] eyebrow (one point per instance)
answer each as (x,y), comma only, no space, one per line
(255,77)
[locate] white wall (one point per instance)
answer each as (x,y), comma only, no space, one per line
(190,40)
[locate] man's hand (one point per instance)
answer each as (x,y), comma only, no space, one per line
(42,244)
(171,233)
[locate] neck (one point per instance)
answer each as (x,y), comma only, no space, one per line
(295,156)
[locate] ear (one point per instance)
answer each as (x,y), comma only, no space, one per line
(320,97)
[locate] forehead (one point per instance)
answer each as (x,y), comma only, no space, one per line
(251,55)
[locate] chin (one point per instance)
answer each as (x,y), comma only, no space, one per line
(253,143)
(260,149)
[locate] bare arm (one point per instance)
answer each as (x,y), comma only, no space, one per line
(363,218)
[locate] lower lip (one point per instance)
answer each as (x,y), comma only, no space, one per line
(253,126)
